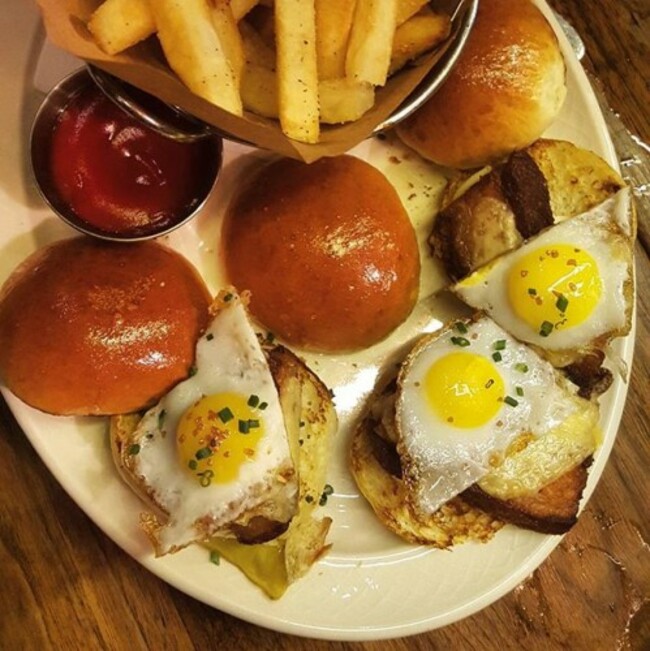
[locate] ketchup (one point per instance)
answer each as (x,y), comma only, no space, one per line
(121,177)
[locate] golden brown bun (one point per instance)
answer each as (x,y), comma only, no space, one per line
(505,90)
(327,251)
(97,328)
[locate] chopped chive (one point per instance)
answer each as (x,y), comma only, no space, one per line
(460,341)
(461,327)
(562,303)
(489,383)
(521,367)
(225,415)
(206,478)
(215,557)
(192,464)
(203,453)
(209,336)
(228,297)
(309,499)
(500,344)
(253,423)
(134,449)
(263,405)
(519,391)
(193,370)
(253,401)
(301,423)
(532,291)
(546,329)
(244,427)
(509,400)
(497,356)
(161,418)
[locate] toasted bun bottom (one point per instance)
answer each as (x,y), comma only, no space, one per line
(272,554)
(551,510)
(488,214)
(371,462)
(89,327)
(473,515)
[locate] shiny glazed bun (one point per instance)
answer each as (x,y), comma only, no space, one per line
(327,251)
(95,328)
(507,87)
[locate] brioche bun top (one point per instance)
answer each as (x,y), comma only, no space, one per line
(327,251)
(507,87)
(90,327)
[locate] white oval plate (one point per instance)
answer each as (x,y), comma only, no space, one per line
(371,585)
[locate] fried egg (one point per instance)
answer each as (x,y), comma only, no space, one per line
(214,450)
(565,288)
(465,394)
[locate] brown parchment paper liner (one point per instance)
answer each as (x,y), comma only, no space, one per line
(144,66)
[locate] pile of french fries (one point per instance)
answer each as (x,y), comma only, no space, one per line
(304,62)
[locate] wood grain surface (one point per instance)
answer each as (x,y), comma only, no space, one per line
(65,585)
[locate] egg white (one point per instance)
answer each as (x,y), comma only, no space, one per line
(605,234)
(440,460)
(228,359)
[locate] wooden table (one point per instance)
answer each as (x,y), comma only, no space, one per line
(65,585)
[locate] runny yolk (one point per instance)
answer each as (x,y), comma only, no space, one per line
(554,288)
(464,390)
(218,434)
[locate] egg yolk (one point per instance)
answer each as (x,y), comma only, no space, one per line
(464,390)
(554,287)
(218,434)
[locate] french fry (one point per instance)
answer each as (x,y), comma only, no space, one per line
(344,100)
(259,90)
(408,8)
(333,24)
(225,25)
(416,36)
(341,100)
(194,51)
(119,24)
(304,62)
(256,51)
(295,29)
(371,40)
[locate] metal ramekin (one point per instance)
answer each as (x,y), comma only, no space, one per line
(54,104)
